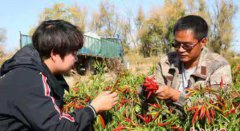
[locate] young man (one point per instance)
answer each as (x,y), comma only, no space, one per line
(32,85)
(192,64)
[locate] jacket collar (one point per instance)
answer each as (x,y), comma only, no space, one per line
(56,82)
(201,70)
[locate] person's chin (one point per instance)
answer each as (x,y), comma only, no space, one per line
(184,59)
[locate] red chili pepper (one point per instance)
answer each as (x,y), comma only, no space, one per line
(223,100)
(202,112)
(156,116)
(126,90)
(107,88)
(145,118)
(102,121)
(220,104)
(151,86)
(221,83)
(123,101)
(218,97)
(163,124)
(155,105)
(171,110)
(119,89)
(119,128)
(195,116)
(124,113)
(232,111)
(211,101)
(238,67)
(212,113)
(75,89)
(192,108)
(176,128)
(87,98)
(128,120)
(208,116)
(227,114)
(79,107)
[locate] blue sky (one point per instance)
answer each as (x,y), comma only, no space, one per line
(22,15)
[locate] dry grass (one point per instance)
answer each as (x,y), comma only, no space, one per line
(140,65)
(137,65)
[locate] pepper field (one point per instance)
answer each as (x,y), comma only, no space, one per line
(221,111)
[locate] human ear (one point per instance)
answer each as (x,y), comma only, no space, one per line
(54,56)
(203,42)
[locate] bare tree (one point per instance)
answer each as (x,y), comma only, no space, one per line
(221,34)
(73,14)
(2,39)
(105,21)
(2,35)
(156,32)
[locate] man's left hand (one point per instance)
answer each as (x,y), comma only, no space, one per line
(165,92)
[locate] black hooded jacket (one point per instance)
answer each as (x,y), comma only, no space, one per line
(31,98)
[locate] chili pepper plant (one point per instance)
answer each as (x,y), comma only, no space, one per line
(205,108)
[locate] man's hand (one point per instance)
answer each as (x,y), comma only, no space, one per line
(165,92)
(104,101)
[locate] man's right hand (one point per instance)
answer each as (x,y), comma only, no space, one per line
(166,92)
(104,101)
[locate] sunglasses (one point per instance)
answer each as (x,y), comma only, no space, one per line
(185,45)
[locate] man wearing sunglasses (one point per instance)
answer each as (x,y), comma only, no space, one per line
(192,64)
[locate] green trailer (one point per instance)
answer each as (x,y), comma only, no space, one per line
(94,48)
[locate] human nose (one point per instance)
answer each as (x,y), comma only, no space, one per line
(180,48)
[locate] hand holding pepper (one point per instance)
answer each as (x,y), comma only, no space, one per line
(104,101)
(165,92)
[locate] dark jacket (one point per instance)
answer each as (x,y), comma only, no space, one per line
(31,98)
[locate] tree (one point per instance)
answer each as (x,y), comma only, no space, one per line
(156,33)
(2,39)
(198,7)
(72,14)
(105,21)
(78,16)
(139,22)
(108,23)
(221,34)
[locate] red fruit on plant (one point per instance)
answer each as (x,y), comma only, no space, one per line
(119,128)
(195,116)
(102,121)
(176,128)
(212,113)
(145,118)
(163,124)
(221,83)
(208,116)
(155,105)
(202,112)
(151,86)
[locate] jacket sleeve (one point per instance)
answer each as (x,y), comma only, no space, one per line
(34,106)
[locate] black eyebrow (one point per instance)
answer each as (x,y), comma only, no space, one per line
(183,42)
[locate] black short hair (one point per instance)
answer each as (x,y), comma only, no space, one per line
(192,22)
(58,35)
